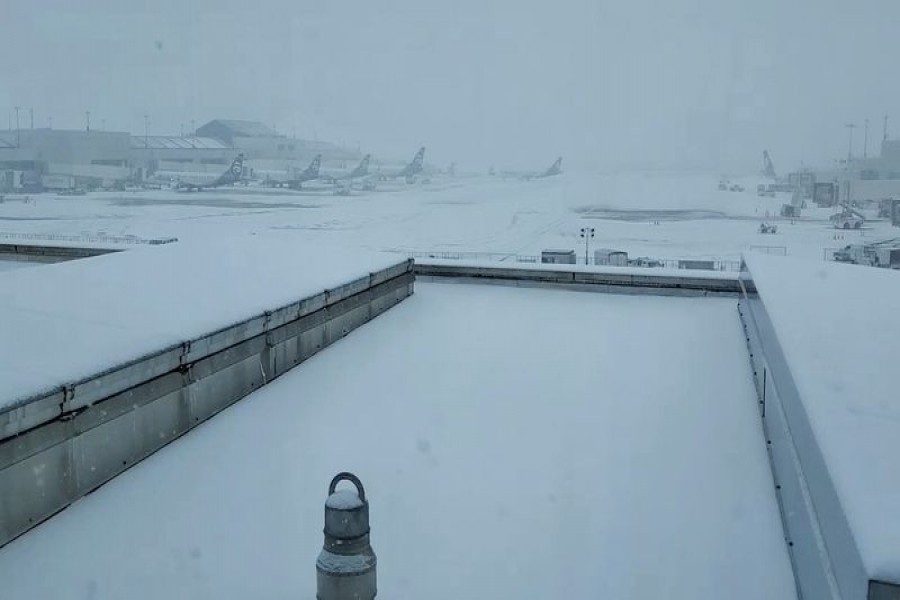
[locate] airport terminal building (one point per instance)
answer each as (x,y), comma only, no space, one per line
(56,159)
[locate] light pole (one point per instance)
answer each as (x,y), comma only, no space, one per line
(851,127)
(146,131)
(17,125)
(586,234)
(866,141)
(87,120)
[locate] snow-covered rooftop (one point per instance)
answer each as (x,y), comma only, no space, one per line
(839,329)
(169,142)
(12,265)
(239,128)
(514,443)
(62,322)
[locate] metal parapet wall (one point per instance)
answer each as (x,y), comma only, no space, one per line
(57,447)
(826,561)
(610,280)
(48,254)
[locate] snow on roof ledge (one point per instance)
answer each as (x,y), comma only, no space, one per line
(839,331)
(70,320)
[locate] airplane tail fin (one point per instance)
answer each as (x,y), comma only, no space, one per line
(363,167)
(237,167)
(555,168)
(418,159)
(315,165)
(768,167)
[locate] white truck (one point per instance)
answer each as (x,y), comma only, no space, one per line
(884,254)
(847,219)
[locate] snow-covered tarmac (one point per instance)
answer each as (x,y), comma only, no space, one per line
(664,215)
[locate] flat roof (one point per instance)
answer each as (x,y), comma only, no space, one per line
(169,142)
(13,265)
(240,128)
(839,329)
(69,320)
(513,442)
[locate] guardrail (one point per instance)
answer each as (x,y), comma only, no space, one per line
(776,250)
(612,280)
(87,239)
(727,265)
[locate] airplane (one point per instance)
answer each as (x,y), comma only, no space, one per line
(409,171)
(553,170)
(362,170)
(311,173)
(229,177)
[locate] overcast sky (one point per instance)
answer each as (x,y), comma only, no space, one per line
(513,83)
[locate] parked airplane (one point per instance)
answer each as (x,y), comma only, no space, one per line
(409,171)
(554,169)
(196,183)
(362,170)
(311,173)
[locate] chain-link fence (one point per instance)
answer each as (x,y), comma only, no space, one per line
(776,250)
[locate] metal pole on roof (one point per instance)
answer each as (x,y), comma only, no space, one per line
(850,127)
(866,141)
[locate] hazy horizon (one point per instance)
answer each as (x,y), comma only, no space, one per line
(686,83)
